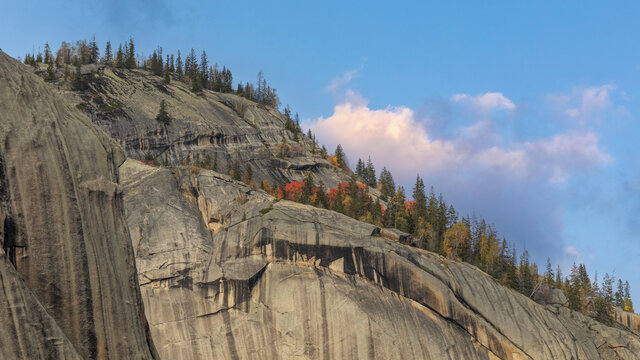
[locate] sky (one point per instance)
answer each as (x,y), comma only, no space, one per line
(524,114)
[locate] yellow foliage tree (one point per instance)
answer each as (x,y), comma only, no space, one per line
(489,252)
(456,241)
(333,160)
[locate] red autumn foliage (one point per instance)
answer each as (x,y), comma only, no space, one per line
(409,206)
(293,190)
(277,192)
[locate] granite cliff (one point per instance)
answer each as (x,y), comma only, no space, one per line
(67,269)
(103,258)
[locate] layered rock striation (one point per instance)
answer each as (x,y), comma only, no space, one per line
(205,128)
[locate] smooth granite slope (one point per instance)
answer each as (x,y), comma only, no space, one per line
(68,271)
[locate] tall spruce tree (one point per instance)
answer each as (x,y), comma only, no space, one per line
(204,70)
(108,55)
(130,61)
(179,70)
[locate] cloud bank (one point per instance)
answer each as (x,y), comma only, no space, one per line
(394,136)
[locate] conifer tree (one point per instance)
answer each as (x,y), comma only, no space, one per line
(204,70)
(179,70)
(370,173)
(548,274)
(360,169)
(340,157)
(419,196)
(120,58)
(163,116)
(48,56)
(77,82)
(167,76)
(307,189)
(130,61)
(387,185)
(51,72)
(94,51)
(108,56)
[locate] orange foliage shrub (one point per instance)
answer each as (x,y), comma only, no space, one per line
(333,160)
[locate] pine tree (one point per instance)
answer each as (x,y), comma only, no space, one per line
(94,52)
(48,56)
(130,61)
(558,276)
(172,68)
(156,64)
(370,173)
(163,116)
(387,185)
(108,56)
(360,169)
(307,189)
(167,76)
(573,290)
(204,70)
(120,58)
(420,208)
(179,70)
(196,82)
(452,216)
(77,83)
(619,294)
(51,72)
(399,218)
(191,65)
(339,154)
(548,274)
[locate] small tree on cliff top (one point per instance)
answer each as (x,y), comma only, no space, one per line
(163,116)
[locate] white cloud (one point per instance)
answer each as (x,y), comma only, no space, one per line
(342,80)
(573,253)
(585,104)
(486,102)
(393,136)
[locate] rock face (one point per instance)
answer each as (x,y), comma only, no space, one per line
(227,271)
(67,270)
(206,128)
(630,320)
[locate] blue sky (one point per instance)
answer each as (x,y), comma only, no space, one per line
(524,113)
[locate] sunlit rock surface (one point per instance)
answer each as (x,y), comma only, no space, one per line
(227,271)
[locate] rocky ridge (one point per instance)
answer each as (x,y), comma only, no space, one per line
(204,127)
